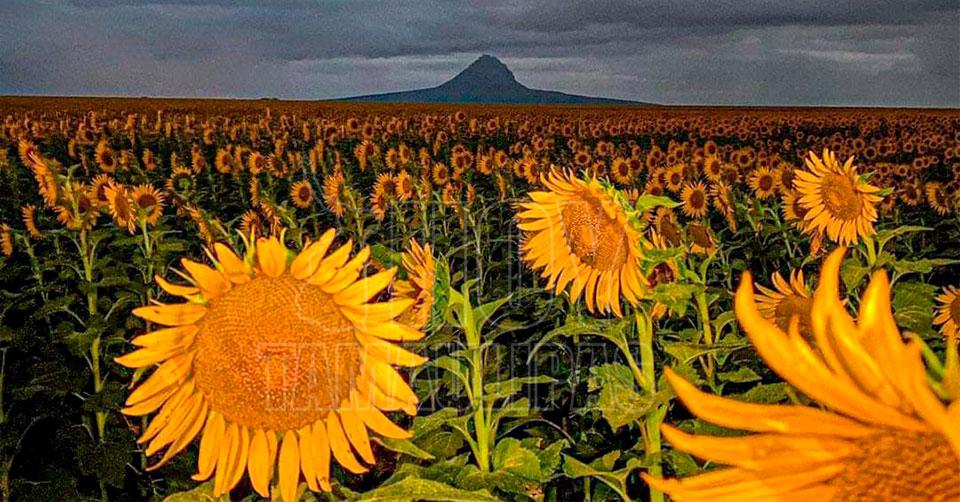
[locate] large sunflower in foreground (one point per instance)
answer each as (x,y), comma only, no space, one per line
(581,237)
(882,434)
(278,362)
(837,202)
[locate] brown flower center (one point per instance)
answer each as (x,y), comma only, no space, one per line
(765,182)
(697,200)
(794,305)
(840,197)
(955,310)
(899,465)
(275,353)
(593,236)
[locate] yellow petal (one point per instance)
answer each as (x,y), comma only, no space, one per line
(210,445)
(233,267)
(375,420)
(340,446)
(321,446)
(365,289)
(289,467)
(259,461)
(228,452)
(177,314)
(211,282)
(389,381)
(307,458)
(272,256)
(388,352)
(306,263)
(175,289)
(356,432)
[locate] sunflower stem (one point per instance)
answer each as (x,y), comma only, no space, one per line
(655,417)
(703,308)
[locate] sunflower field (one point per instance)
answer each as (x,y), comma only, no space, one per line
(273,300)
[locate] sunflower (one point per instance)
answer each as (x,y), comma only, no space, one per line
(256,163)
(673,178)
(713,168)
(334,188)
(695,200)
(121,206)
(790,299)
(278,362)
(420,267)
(180,180)
(665,221)
(301,193)
(379,202)
(763,183)
(404,185)
(882,434)
(723,202)
(77,211)
(701,239)
(29,214)
(440,173)
(251,223)
(838,204)
(105,156)
(948,312)
(793,210)
(148,202)
(580,236)
(6,240)
(937,198)
(621,171)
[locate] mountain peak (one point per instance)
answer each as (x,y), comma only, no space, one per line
(486,69)
(486,80)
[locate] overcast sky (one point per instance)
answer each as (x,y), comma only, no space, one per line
(805,52)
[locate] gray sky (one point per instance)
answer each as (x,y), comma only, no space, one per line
(807,52)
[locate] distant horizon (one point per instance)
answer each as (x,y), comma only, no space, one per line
(686,53)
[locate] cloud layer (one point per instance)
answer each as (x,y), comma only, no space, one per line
(806,52)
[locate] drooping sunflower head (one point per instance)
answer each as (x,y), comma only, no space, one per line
(791,299)
(421,269)
(838,203)
(280,361)
(881,433)
(948,312)
(580,236)
(334,191)
(121,206)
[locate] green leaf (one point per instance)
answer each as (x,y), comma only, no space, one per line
(913,304)
(413,488)
(675,295)
(507,388)
(619,403)
(404,446)
(426,424)
(612,330)
(765,394)
(645,202)
(923,266)
(202,493)
(688,351)
(741,375)
(510,456)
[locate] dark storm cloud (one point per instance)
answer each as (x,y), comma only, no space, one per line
(732,52)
